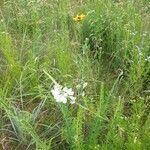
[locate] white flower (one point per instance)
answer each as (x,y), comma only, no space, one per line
(62,94)
(58,95)
(72,99)
(61,98)
(68,91)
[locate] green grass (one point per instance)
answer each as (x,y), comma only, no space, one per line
(41,44)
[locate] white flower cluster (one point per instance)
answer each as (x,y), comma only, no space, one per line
(63,94)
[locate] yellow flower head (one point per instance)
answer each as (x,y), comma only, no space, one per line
(79,17)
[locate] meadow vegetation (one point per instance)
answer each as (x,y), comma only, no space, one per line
(100,49)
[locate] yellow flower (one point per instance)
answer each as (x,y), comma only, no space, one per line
(79,17)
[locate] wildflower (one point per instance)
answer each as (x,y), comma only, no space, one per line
(68,91)
(79,18)
(63,94)
(72,99)
(58,95)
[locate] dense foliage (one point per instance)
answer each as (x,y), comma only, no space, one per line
(74,75)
